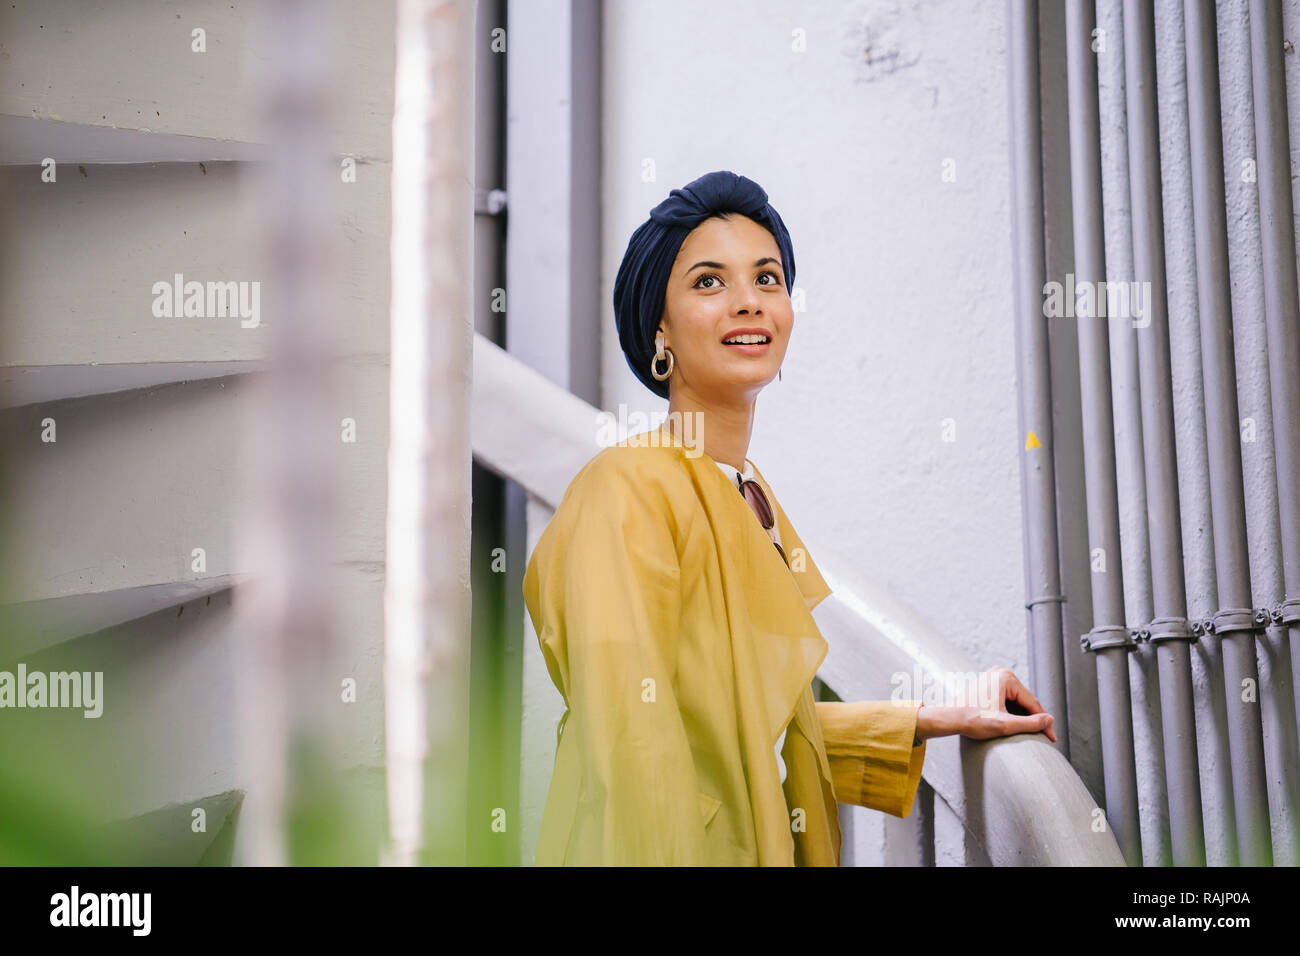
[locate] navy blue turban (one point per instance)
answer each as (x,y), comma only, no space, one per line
(643,275)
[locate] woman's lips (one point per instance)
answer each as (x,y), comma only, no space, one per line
(756,349)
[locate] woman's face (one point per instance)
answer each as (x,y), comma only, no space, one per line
(727,276)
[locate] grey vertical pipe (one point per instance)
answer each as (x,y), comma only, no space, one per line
(1250,338)
(1169,629)
(1037,474)
(1281,301)
(1084,745)
(1235,622)
(1144,670)
(1109,638)
(1273,643)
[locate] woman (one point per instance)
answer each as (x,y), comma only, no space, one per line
(672,597)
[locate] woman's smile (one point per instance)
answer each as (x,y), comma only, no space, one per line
(748,341)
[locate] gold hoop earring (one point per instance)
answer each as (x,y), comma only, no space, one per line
(660,351)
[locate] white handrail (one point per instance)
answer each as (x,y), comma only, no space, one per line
(1018,797)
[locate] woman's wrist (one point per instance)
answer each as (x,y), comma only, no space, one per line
(937,722)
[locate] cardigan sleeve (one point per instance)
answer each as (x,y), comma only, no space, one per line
(608,600)
(869,745)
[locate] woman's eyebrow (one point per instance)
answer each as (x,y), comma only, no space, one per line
(718,265)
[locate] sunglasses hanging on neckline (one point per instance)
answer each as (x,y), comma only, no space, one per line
(753,493)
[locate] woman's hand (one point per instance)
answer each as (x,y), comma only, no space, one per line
(989,717)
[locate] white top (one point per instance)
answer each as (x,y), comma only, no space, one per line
(748,475)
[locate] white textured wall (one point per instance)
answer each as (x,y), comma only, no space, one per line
(907,277)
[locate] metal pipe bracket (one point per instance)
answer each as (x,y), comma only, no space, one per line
(1168,629)
(1108,635)
(1287,612)
(1231,619)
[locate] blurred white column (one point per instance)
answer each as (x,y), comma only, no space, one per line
(427,606)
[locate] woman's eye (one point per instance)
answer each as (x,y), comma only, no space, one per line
(776,279)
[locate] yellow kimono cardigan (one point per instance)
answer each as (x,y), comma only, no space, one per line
(683,647)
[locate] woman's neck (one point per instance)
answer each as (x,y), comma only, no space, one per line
(722,433)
